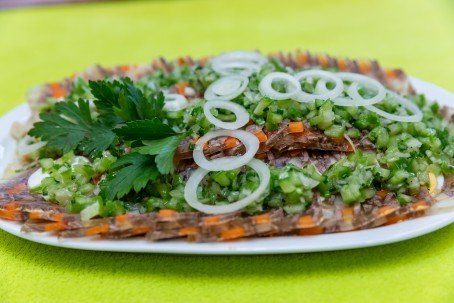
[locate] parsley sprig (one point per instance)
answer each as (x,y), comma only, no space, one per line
(125,116)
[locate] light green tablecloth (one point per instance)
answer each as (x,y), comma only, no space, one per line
(45,44)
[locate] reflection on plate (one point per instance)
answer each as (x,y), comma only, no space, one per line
(363,238)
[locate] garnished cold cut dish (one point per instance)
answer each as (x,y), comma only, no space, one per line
(227,147)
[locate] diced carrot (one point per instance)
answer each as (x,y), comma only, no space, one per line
(233,233)
(121,218)
(397,219)
(188,231)
(260,156)
(181,87)
(140,230)
(365,67)
(125,67)
(382,193)
(167,212)
(12,206)
(323,60)
(231,142)
(58,217)
(262,219)
(302,58)
(212,220)
(34,215)
(420,205)
(316,230)
(261,136)
(306,221)
(95,230)
(347,211)
(205,146)
(55,226)
(342,64)
(9,214)
(390,73)
(57,90)
(295,127)
(181,61)
(385,210)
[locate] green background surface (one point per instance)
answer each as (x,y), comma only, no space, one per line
(45,44)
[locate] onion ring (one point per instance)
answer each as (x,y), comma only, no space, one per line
(266,89)
(416,117)
(238,63)
(320,94)
(249,140)
(190,190)
(352,90)
(226,88)
(242,116)
(174,102)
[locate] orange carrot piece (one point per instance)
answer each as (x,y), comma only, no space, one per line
(167,212)
(95,230)
(347,211)
(260,156)
(302,58)
(323,60)
(140,230)
(306,221)
(365,67)
(233,233)
(342,64)
(212,220)
(397,219)
(295,127)
(390,73)
(188,231)
(12,206)
(262,219)
(55,226)
(57,90)
(121,218)
(316,230)
(231,142)
(34,215)
(181,87)
(261,136)
(9,214)
(125,67)
(181,61)
(382,193)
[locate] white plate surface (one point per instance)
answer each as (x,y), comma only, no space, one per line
(363,238)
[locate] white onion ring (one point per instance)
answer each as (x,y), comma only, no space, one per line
(190,190)
(24,148)
(244,56)
(321,94)
(352,90)
(226,88)
(416,117)
(235,68)
(251,143)
(267,90)
(238,63)
(174,102)
(242,116)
